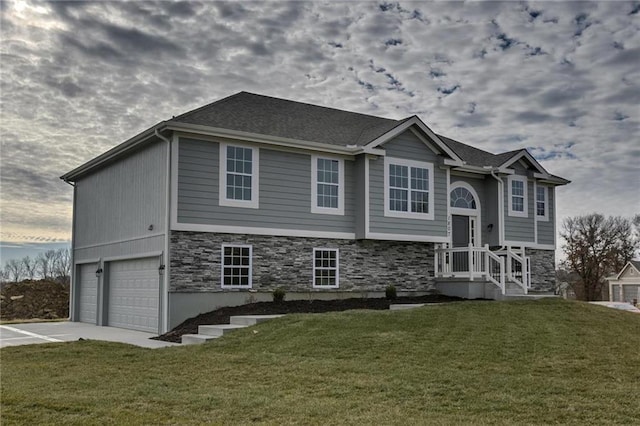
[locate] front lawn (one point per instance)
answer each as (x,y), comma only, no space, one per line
(547,361)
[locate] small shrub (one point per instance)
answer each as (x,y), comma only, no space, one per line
(278,295)
(390,292)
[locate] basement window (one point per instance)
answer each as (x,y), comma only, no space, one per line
(236,266)
(325,268)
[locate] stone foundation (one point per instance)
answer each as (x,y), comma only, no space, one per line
(364,265)
(543,269)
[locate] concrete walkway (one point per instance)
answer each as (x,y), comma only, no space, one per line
(65,331)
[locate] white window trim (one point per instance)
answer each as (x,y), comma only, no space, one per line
(250,266)
(525,212)
(313,259)
(314,186)
(222,196)
(409,163)
(545,217)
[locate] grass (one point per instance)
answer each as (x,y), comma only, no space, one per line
(547,361)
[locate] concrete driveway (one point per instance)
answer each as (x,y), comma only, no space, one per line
(65,331)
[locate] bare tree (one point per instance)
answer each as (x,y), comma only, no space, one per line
(4,275)
(15,270)
(596,248)
(30,267)
(45,263)
(62,264)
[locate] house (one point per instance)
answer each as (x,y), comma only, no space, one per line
(223,204)
(625,286)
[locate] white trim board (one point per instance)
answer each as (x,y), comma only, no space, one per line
(124,240)
(145,255)
(406,237)
(224,229)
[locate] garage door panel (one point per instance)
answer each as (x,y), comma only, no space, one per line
(87,293)
(134,294)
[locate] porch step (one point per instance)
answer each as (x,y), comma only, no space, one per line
(218,330)
(214,331)
(196,339)
(404,306)
(248,320)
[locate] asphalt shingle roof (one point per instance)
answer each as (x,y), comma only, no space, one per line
(249,112)
(265,115)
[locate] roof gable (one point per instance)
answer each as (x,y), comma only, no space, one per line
(632,267)
(523,154)
(422,131)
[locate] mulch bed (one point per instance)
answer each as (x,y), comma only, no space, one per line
(42,299)
(221,316)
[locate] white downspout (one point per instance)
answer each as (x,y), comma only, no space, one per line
(72,278)
(167,236)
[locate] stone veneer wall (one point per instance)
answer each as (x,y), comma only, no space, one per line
(364,265)
(543,269)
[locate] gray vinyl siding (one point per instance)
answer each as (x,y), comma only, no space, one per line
(407,146)
(116,205)
(479,186)
(546,229)
(284,185)
(519,229)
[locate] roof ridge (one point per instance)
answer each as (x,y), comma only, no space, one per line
(206,106)
(320,106)
(287,100)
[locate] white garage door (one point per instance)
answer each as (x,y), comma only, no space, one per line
(87,287)
(134,294)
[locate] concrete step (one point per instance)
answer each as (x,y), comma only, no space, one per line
(248,320)
(218,330)
(403,306)
(195,339)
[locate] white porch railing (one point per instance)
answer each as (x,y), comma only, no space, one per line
(480,262)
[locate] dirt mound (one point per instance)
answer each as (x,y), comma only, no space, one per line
(221,316)
(34,300)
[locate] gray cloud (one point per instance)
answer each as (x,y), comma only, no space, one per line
(80,77)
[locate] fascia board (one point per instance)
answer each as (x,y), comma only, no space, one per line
(112,153)
(259,138)
(555,181)
(414,121)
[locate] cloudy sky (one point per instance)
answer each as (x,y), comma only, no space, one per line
(559,78)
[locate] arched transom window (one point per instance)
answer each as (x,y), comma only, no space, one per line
(462,198)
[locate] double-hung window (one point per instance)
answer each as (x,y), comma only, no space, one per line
(325,268)
(236,266)
(238,176)
(408,189)
(327,185)
(517,196)
(542,210)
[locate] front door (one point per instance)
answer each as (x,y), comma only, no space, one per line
(460,233)
(460,237)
